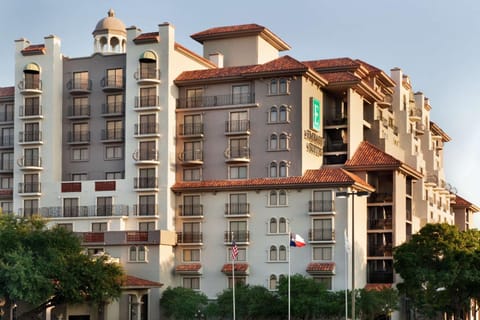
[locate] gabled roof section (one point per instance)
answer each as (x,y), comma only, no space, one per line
(243,30)
(149,37)
(462,203)
(194,56)
(217,74)
(34,49)
(370,158)
(436,130)
(324,177)
(131,282)
(7,92)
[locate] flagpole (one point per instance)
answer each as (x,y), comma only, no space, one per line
(289,270)
(233,278)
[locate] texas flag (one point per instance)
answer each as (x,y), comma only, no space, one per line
(296,240)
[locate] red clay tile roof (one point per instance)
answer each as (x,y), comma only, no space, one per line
(285,63)
(327,177)
(369,157)
(436,130)
(462,203)
(239,267)
(333,77)
(7,91)
(377,286)
(317,267)
(134,282)
(148,37)
(332,63)
(238,31)
(34,49)
(188,267)
(215,74)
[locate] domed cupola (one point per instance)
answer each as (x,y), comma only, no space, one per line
(110,35)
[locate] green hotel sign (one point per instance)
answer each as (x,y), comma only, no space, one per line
(315,114)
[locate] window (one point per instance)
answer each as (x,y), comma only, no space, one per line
(114,130)
(238,204)
(104,206)
(137,254)
(273,145)
(242,254)
(32,132)
(278,170)
(32,77)
(30,207)
(238,230)
(238,148)
(80,132)
(113,152)
(191,206)
(147,205)
(272,284)
(30,183)
(322,230)
(273,116)
(148,124)
(114,104)
(194,174)
(273,225)
(31,108)
(80,154)
(80,107)
(282,198)
(191,232)
(191,283)
(283,142)
(191,255)
(7,161)
(279,226)
(7,137)
(7,206)
(241,94)
(282,253)
(146,226)
(322,201)
(81,81)
(6,113)
(325,281)
(148,65)
(239,280)
(194,98)
(278,86)
(70,207)
(95,251)
(192,124)
(148,150)
(99,227)
(277,198)
(79,176)
(322,253)
(114,78)
(192,150)
(273,170)
(283,114)
(283,169)
(6,182)
(115,175)
(147,178)
(273,253)
(148,97)
(237,172)
(238,122)
(66,226)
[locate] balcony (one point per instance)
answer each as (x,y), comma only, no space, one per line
(380,224)
(234,127)
(145,183)
(191,130)
(112,84)
(148,129)
(190,211)
(147,103)
(29,87)
(117,210)
(29,188)
(82,86)
(191,157)
(335,146)
(321,235)
(415,114)
(136,236)
(237,155)
(419,129)
(78,137)
(92,237)
(113,109)
(31,112)
(146,157)
(384,250)
(112,135)
(29,137)
(237,210)
(78,112)
(147,76)
(377,197)
(189,237)
(320,206)
(145,210)
(214,101)
(240,236)
(30,163)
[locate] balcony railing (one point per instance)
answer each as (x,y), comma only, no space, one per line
(112,83)
(237,126)
(140,155)
(147,75)
(320,206)
(325,234)
(29,187)
(191,210)
(212,101)
(113,134)
(93,237)
(79,111)
(30,85)
(191,129)
(147,101)
(113,109)
(29,162)
(149,209)
(145,182)
(85,211)
(237,154)
(189,237)
(78,137)
(147,128)
(191,156)
(27,136)
(80,86)
(238,236)
(237,209)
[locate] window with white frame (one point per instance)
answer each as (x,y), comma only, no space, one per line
(137,254)
(238,172)
(113,152)
(30,207)
(273,115)
(322,201)
(273,254)
(322,253)
(114,175)
(79,176)
(282,225)
(273,143)
(146,226)
(99,227)
(282,253)
(273,169)
(283,141)
(272,283)
(7,207)
(283,113)
(192,174)
(278,86)
(278,169)
(242,254)
(80,154)
(191,283)
(7,161)
(322,229)
(191,254)
(273,226)
(277,198)
(283,169)
(240,94)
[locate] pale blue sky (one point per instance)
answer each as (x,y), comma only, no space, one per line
(435,42)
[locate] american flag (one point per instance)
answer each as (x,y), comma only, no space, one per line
(234,250)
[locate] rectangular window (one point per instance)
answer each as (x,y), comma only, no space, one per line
(7,137)
(148,124)
(79,176)
(7,207)
(191,255)
(242,254)
(191,206)
(191,283)
(99,227)
(191,232)
(113,152)
(81,81)
(238,230)
(322,201)
(115,175)
(30,207)
(114,104)
(80,154)
(322,253)
(238,122)
(192,150)
(241,94)
(80,132)
(148,151)
(322,230)
(30,183)
(80,107)
(147,178)
(239,280)
(192,124)
(114,130)
(32,132)
(31,108)
(114,78)
(66,226)
(146,226)
(194,174)
(325,281)
(6,113)
(6,182)
(238,148)
(70,207)
(147,205)
(238,172)
(104,206)
(7,161)
(31,157)
(148,97)
(194,98)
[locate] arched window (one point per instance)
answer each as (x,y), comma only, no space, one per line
(282,85)
(148,65)
(273,86)
(282,253)
(273,253)
(282,198)
(283,142)
(283,117)
(273,225)
(142,253)
(273,145)
(273,169)
(282,172)
(133,253)
(31,76)
(273,282)
(273,114)
(282,225)
(273,198)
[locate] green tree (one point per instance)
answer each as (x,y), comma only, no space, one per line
(45,267)
(182,303)
(373,303)
(440,268)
